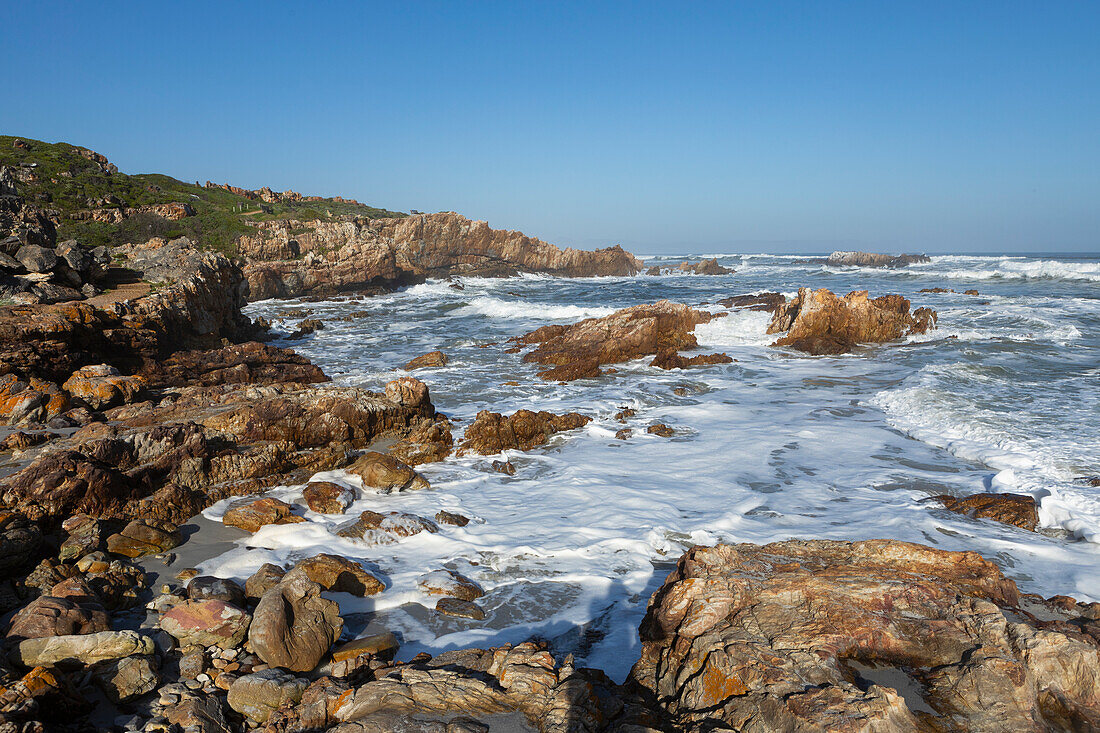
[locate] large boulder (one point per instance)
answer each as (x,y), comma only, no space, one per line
(82,649)
(491,433)
(293,626)
(206,623)
(819,322)
(870,636)
(578,350)
(140,538)
(259,694)
(326,497)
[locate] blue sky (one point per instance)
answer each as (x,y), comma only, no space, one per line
(693,127)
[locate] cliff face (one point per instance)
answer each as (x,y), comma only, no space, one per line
(291,258)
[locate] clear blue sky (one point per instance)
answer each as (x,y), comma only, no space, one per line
(687,127)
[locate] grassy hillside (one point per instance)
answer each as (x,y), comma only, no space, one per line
(63,178)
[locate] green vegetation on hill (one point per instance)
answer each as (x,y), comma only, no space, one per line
(68,179)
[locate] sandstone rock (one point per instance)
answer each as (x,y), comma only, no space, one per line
(1015,509)
(670,359)
(250,515)
(339,574)
(872,259)
(819,322)
(383,529)
(51,616)
(86,534)
(293,626)
(876,635)
(460,608)
(386,473)
(431,359)
(375,645)
(449,583)
(139,538)
(325,497)
(201,715)
(263,580)
(661,430)
(206,623)
(209,588)
(101,386)
(456,520)
(409,392)
(578,350)
(491,433)
(125,679)
(428,443)
(257,695)
(82,649)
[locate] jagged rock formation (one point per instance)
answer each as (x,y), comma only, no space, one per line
(490,433)
(578,350)
(865,636)
(873,259)
(818,322)
(290,258)
(199,305)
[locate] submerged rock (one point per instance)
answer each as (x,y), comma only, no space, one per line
(1018,510)
(791,635)
(491,433)
(449,583)
(819,322)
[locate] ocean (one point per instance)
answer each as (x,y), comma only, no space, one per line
(1003,396)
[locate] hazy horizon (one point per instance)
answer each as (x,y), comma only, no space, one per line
(789,127)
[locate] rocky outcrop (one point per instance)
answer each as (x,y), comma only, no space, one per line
(672,359)
(171,460)
(818,322)
(878,635)
(247,363)
(291,258)
(491,433)
(872,259)
(578,350)
(199,307)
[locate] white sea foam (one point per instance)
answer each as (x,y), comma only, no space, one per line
(499,308)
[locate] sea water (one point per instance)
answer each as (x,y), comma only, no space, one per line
(1003,396)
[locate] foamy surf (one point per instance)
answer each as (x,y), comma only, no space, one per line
(774,446)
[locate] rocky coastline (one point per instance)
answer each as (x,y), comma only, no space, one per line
(130,411)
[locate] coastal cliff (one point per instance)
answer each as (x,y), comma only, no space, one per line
(293,258)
